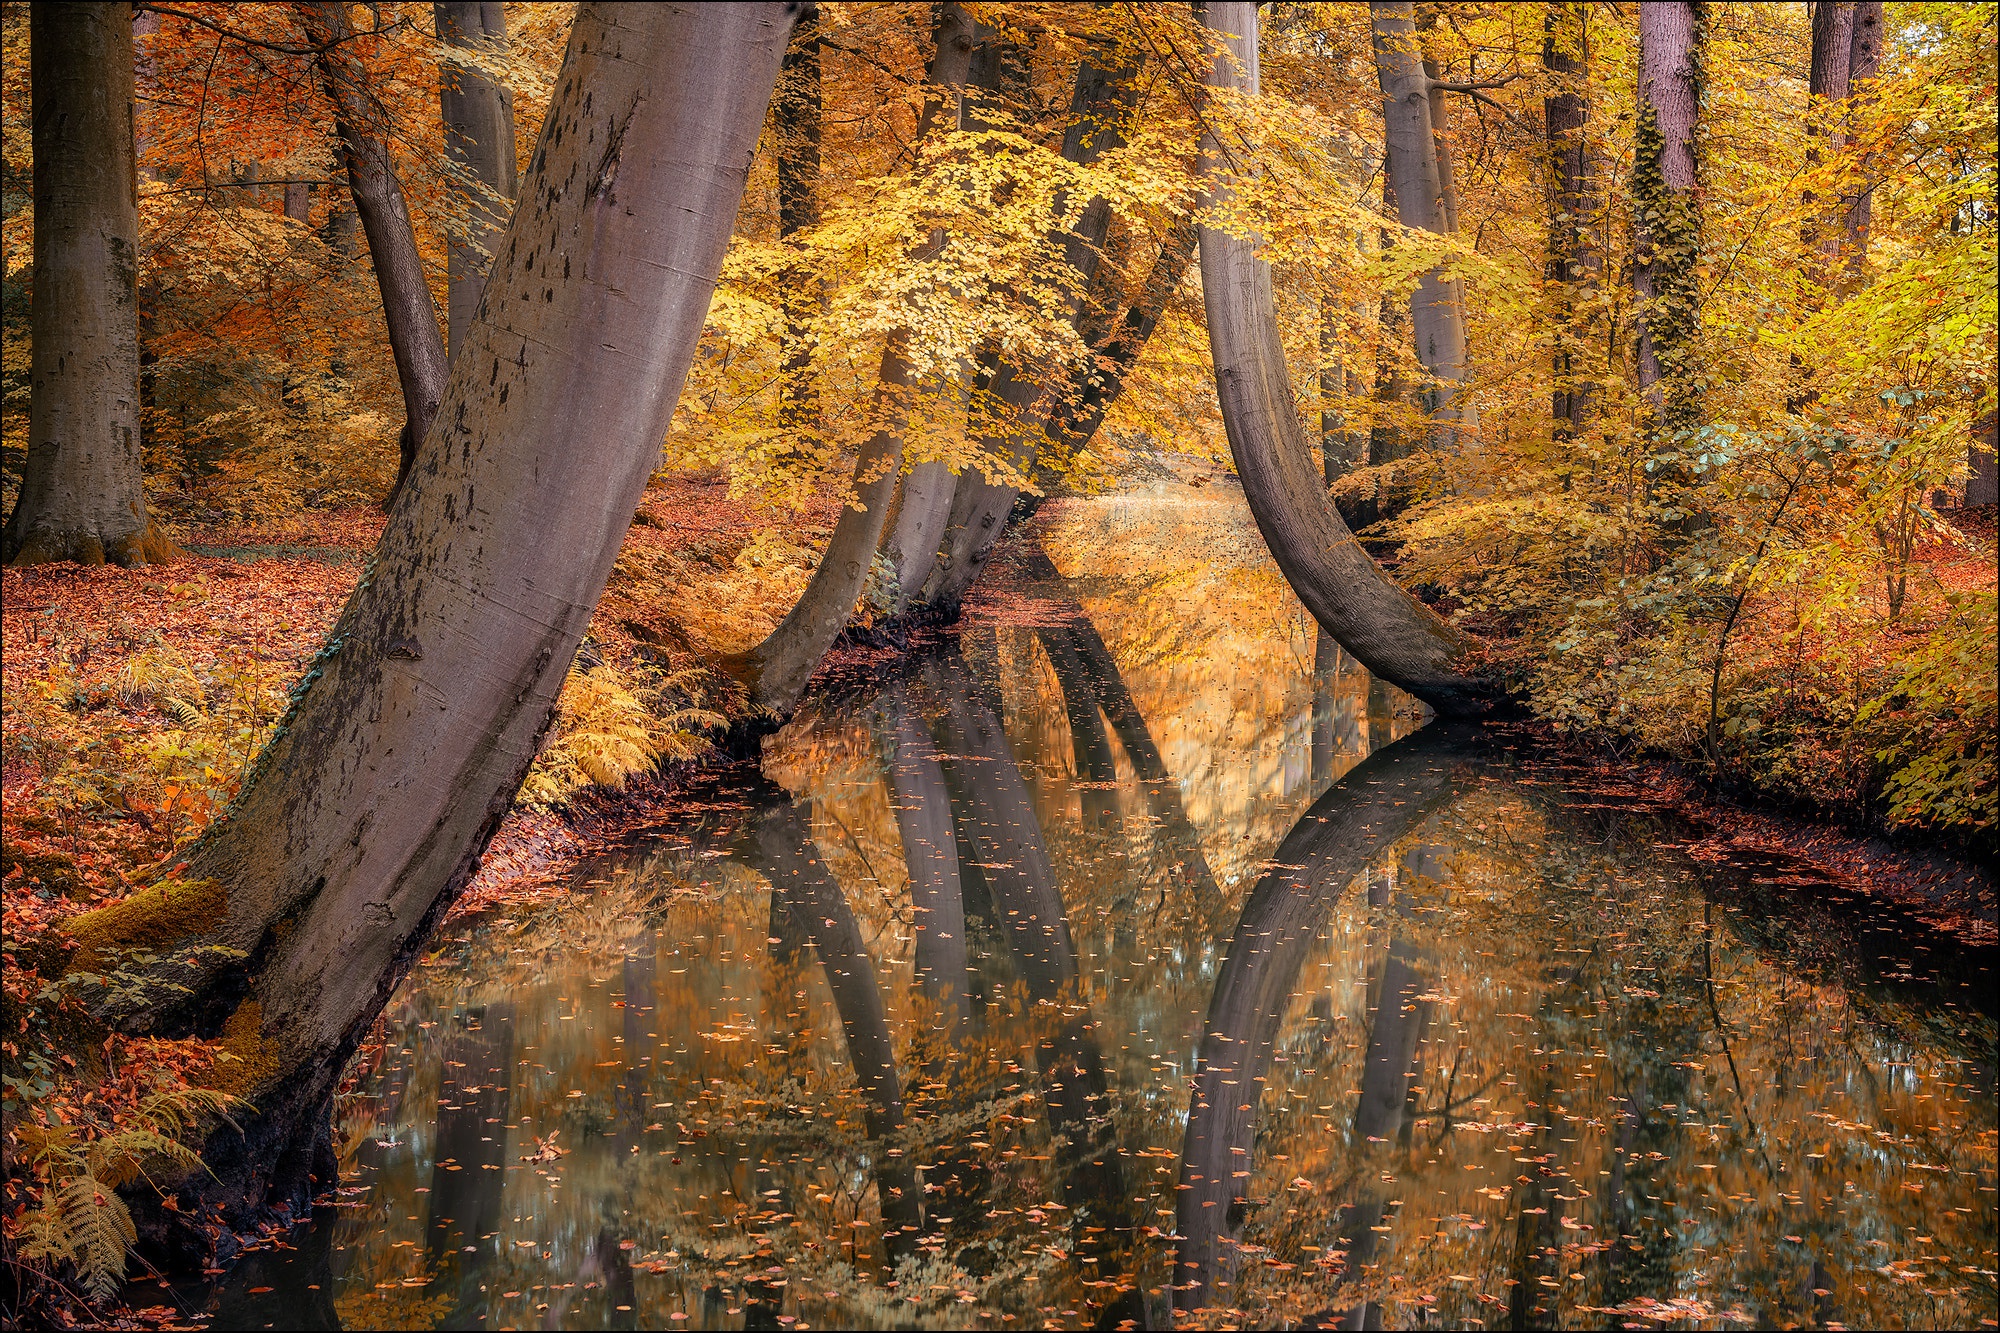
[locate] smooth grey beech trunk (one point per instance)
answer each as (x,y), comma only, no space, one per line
(1424,201)
(1388,631)
(82,496)
(776,671)
(1575,258)
(1103,95)
(1358,819)
(415,339)
(930,853)
(410,734)
(478,116)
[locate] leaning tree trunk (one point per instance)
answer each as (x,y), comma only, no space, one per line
(1104,93)
(1666,217)
(407,308)
(1414,172)
(1575,256)
(478,116)
(292,920)
(777,670)
(1388,631)
(82,496)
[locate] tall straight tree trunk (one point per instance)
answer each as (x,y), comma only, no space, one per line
(797,118)
(82,494)
(478,119)
(1104,92)
(777,670)
(1575,260)
(1826,96)
(1415,173)
(293,919)
(1864,65)
(1388,631)
(407,308)
(1667,217)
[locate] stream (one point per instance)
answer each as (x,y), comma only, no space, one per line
(1129,962)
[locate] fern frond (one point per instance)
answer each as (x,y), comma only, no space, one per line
(101,1229)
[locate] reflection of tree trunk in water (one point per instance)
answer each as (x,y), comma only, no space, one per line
(642,971)
(291,1287)
(1003,836)
(1332,721)
(1089,742)
(1355,822)
(817,911)
(1080,642)
(469,1167)
(1381,715)
(930,852)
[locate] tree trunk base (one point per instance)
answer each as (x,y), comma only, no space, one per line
(86,546)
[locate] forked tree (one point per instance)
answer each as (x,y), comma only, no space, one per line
(81,496)
(291,920)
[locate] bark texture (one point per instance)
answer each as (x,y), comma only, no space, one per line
(1416,174)
(1575,260)
(478,118)
(414,337)
(1864,65)
(1358,819)
(1391,633)
(82,496)
(778,669)
(1667,216)
(369,810)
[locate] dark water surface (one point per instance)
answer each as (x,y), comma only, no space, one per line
(1119,968)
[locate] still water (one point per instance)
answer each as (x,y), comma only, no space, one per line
(1133,961)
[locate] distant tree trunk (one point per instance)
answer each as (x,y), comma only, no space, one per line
(1387,630)
(1103,94)
(1982,485)
(478,119)
(796,119)
(298,201)
(1864,66)
(82,493)
(1353,824)
(294,918)
(407,308)
(1667,218)
(778,669)
(1412,167)
(1575,243)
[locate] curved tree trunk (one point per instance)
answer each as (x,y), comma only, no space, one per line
(1667,216)
(1358,819)
(778,669)
(1575,259)
(407,308)
(82,496)
(1388,631)
(409,736)
(1424,201)
(479,139)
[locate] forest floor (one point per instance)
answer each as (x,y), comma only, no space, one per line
(134,702)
